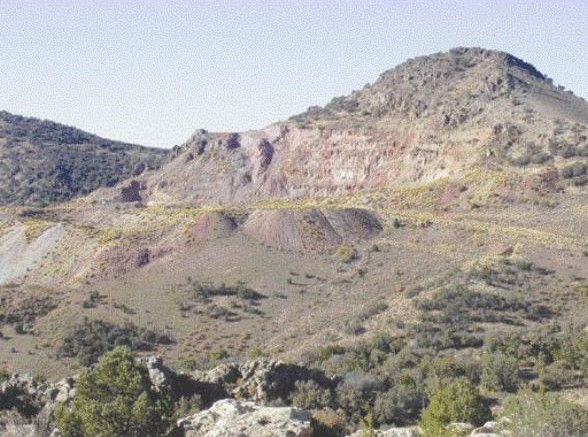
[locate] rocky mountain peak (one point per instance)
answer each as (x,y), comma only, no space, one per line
(420,86)
(461,59)
(430,118)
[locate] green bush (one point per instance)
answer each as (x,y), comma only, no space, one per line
(447,367)
(116,399)
(529,414)
(26,311)
(329,423)
(327,352)
(400,405)
(458,401)
(188,405)
(346,254)
(573,349)
(309,395)
(205,291)
(556,375)
(356,392)
(92,338)
(500,372)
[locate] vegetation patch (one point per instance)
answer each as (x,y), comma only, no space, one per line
(90,339)
(541,414)
(22,313)
(228,302)
(117,399)
(44,162)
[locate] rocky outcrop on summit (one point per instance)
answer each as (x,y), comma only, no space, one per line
(441,85)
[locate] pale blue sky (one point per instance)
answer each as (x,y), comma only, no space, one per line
(151,72)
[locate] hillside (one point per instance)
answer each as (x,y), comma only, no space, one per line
(43,162)
(428,228)
(432,118)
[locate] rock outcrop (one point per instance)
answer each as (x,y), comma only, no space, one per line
(25,394)
(261,381)
(160,375)
(391,432)
(489,429)
(231,418)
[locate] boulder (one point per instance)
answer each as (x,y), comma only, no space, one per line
(390,432)
(19,430)
(232,418)
(460,428)
(490,429)
(62,391)
(158,374)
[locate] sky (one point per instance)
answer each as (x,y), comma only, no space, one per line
(152,72)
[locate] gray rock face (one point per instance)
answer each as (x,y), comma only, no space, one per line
(260,380)
(23,391)
(19,430)
(392,432)
(233,418)
(159,374)
(490,429)
(62,391)
(460,428)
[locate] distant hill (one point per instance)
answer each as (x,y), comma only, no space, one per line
(43,162)
(431,118)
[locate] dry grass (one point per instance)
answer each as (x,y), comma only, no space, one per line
(35,228)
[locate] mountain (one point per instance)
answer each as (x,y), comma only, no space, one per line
(420,229)
(441,116)
(43,162)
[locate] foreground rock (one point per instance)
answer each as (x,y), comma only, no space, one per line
(489,429)
(231,418)
(392,432)
(23,396)
(23,392)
